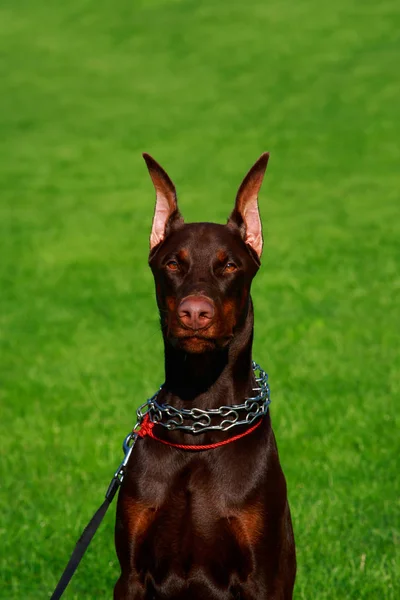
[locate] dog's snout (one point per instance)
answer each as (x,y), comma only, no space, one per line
(196,312)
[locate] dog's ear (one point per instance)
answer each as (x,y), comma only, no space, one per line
(166,214)
(245,215)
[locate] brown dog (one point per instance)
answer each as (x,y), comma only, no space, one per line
(211,524)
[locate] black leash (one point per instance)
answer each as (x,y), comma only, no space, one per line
(94,523)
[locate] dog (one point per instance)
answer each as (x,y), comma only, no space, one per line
(211,524)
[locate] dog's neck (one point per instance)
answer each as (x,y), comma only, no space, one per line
(210,379)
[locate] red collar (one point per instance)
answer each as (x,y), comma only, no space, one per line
(146,429)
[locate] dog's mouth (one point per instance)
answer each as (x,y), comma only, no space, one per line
(197,342)
(215,335)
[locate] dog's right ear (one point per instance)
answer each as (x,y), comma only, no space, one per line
(166,214)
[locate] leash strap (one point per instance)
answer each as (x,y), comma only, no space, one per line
(80,549)
(94,523)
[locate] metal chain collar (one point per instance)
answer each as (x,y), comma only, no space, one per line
(197,420)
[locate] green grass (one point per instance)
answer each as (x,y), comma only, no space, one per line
(205,87)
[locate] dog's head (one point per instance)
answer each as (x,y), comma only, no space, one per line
(203,271)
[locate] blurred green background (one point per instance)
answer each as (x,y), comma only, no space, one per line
(205,87)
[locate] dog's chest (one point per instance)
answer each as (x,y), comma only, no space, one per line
(198,524)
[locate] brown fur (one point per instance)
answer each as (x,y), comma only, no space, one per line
(215,524)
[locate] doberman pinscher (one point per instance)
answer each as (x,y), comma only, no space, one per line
(212,524)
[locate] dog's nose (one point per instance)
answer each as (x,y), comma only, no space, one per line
(196,312)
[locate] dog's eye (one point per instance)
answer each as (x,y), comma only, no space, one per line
(172,265)
(230,267)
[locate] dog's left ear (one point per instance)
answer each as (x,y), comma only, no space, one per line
(245,215)
(166,214)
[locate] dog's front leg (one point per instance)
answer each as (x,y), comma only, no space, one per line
(128,588)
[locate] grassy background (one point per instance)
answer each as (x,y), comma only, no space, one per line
(204,86)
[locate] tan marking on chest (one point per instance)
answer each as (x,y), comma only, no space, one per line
(247,524)
(138,517)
